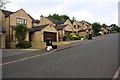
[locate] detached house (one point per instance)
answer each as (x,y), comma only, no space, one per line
(82,28)
(40,33)
(54,22)
(104,30)
(46,20)
(63,30)
(11,20)
(77,26)
(64,27)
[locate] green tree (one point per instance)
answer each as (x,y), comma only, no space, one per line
(113,25)
(96,27)
(58,17)
(115,28)
(21,32)
(104,25)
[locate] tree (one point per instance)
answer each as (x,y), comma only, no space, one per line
(115,28)
(58,17)
(113,25)
(96,27)
(104,25)
(3,3)
(21,32)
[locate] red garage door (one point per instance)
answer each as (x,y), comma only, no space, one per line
(50,35)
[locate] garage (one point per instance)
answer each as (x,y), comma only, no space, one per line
(52,35)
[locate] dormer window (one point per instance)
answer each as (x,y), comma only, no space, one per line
(21,21)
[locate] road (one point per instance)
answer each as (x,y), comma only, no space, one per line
(97,59)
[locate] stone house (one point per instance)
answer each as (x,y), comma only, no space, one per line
(104,30)
(64,27)
(63,30)
(54,22)
(40,33)
(36,32)
(11,20)
(2,37)
(82,28)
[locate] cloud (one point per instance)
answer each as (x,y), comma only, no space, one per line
(103,11)
(82,15)
(24,1)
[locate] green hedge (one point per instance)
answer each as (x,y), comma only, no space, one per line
(23,44)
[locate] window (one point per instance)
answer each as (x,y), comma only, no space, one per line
(79,26)
(74,26)
(21,21)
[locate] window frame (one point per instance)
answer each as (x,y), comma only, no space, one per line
(21,21)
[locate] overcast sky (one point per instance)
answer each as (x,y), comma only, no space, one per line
(103,11)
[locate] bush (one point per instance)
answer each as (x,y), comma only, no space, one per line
(23,44)
(86,36)
(78,36)
(82,36)
(93,35)
(74,37)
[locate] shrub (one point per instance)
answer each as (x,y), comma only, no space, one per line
(86,36)
(82,36)
(74,37)
(78,36)
(93,35)
(23,44)
(71,34)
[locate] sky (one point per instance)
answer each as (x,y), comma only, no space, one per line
(102,11)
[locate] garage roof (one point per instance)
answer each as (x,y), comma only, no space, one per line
(38,28)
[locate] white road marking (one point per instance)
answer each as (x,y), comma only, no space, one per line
(28,58)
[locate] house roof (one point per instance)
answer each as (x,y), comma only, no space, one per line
(60,27)
(2,30)
(7,13)
(56,21)
(33,29)
(38,28)
(78,23)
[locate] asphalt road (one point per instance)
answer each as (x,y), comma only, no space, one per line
(98,59)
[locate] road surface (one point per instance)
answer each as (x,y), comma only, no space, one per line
(97,59)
